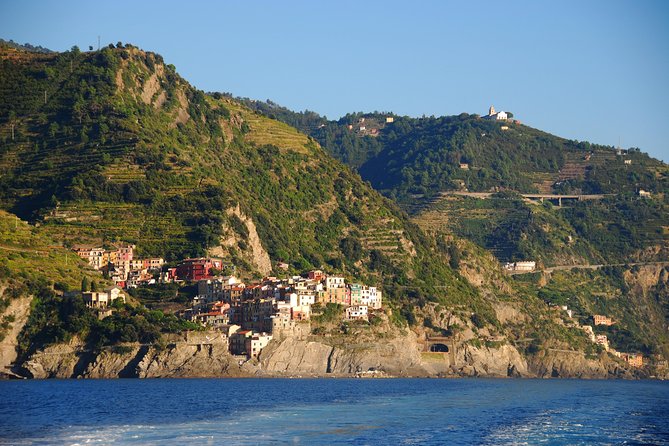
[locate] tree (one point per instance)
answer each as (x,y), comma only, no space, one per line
(85,284)
(94,286)
(454,256)
(351,248)
(53,129)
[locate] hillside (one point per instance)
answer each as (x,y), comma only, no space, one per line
(424,164)
(114,146)
(123,149)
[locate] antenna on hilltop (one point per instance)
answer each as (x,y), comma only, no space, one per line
(98,43)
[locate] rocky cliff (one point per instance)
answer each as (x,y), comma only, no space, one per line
(400,356)
(17,311)
(202,357)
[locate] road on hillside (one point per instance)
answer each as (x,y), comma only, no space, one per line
(550,269)
(28,250)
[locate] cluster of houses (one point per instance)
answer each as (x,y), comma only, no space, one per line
(633,359)
(369,127)
(250,315)
(120,265)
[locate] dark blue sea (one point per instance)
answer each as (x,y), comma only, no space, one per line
(333,411)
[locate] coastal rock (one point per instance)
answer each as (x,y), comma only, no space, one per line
(400,355)
(397,356)
(574,364)
(188,361)
(114,363)
(503,361)
(192,358)
(58,361)
(18,310)
(292,356)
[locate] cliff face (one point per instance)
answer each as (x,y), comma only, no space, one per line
(395,357)
(18,311)
(565,364)
(184,358)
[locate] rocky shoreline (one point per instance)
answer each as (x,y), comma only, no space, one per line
(397,357)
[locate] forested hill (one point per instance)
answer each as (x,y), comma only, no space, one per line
(25,47)
(419,161)
(114,146)
(468,152)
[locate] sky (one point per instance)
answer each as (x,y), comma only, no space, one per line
(594,70)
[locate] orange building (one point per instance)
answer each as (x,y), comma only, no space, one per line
(602,320)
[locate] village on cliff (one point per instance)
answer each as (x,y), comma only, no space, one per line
(248,315)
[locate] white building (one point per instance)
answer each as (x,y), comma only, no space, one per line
(368,296)
(357,312)
(521,266)
(334,282)
(497,116)
(256,342)
(102,299)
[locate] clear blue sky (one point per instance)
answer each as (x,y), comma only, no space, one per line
(590,70)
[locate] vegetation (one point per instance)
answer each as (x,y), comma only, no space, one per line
(123,149)
(56,319)
(414,160)
(113,145)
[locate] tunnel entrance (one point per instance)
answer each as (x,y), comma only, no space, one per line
(439,348)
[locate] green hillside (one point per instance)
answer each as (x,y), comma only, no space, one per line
(417,161)
(113,145)
(123,149)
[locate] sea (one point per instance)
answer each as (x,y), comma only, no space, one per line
(334,412)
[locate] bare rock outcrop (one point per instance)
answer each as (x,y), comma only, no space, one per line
(502,361)
(18,310)
(397,356)
(114,363)
(568,364)
(255,252)
(189,361)
(65,360)
(205,356)
(394,356)
(296,357)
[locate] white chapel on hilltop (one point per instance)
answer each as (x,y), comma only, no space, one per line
(497,116)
